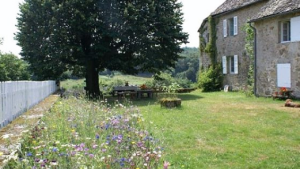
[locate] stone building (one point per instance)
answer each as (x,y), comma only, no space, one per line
(229,19)
(278,47)
(277,56)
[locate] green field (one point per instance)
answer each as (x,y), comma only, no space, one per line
(226,130)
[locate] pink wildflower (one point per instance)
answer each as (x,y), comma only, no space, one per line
(166,165)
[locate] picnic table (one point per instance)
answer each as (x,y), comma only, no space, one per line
(121,91)
(148,92)
(133,91)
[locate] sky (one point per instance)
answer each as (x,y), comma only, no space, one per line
(194,12)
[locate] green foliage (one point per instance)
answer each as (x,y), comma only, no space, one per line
(13,68)
(211,79)
(109,86)
(202,41)
(170,90)
(131,37)
(249,47)
(188,66)
(202,44)
(211,48)
(165,79)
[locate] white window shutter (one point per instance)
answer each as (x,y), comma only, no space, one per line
(295,27)
(225,28)
(224,64)
(235,25)
(236,64)
(284,75)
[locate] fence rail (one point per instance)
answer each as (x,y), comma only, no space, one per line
(16,97)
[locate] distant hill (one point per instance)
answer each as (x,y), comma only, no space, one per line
(188,66)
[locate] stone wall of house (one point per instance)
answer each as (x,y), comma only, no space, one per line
(205,61)
(270,52)
(235,45)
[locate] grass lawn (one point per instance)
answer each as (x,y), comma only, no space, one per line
(133,80)
(226,130)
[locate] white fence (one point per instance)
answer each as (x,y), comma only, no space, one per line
(16,97)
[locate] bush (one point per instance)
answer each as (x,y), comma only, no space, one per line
(165,79)
(211,79)
(109,87)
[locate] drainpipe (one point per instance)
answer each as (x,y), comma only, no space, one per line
(255,59)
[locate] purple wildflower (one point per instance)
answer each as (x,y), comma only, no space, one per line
(55,149)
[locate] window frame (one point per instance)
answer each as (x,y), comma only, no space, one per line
(230,64)
(288,36)
(230,26)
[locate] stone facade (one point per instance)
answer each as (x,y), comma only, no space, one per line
(205,61)
(270,52)
(233,45)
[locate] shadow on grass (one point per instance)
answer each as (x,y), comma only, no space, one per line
(189,96)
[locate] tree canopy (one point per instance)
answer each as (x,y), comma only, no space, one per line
(91,35)
(12,68)
(188,65)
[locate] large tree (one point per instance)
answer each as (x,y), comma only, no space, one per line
(125,35)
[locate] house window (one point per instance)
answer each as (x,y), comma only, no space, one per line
(286,31)
(230,64)
(207,37)
(230,26)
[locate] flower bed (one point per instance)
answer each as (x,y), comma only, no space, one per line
(83,134)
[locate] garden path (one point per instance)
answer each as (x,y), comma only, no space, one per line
(11,135)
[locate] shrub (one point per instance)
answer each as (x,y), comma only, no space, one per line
(211,79)
(165,79)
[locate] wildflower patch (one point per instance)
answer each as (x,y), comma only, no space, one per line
(82,134)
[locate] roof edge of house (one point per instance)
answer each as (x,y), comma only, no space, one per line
(274,15)
(232,10)
(202,24)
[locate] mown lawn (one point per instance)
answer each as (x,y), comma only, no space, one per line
(226,130)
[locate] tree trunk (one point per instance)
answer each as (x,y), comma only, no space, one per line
(92,80)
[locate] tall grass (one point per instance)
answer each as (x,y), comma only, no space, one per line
(81,134)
